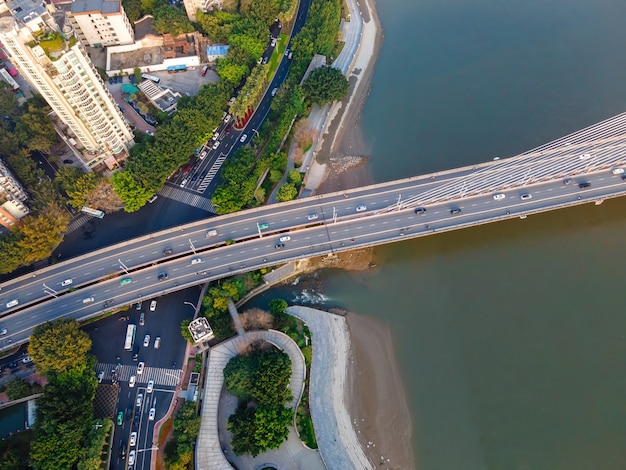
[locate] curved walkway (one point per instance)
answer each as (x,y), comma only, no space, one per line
(209,453)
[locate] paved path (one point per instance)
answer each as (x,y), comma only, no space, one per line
(336,438)
(209,454)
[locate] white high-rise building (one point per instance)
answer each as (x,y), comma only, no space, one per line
(101,23)
(58,67)
(12,198)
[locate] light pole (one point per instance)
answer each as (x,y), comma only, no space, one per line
(193,248)
(399,199)
(258,227)
(50,293)
(334,215)
(49,288)
(123,266)
(256,132)
(191,305)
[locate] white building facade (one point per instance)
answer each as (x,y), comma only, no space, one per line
(13,198)
(101,23)
(70,84)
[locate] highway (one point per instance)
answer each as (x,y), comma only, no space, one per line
(389,216)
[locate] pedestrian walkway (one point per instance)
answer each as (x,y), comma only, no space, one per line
(161,376)
(76,223)
(209,454)
(235,316)
(187,197)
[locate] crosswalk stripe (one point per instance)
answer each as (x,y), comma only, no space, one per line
(187,197)
(77,223)
(160,375)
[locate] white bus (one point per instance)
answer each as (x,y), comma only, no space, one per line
(93,212)
(130,337)
(147,76)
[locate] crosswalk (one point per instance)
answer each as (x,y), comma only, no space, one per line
(77,223)
(161,376)
(186,197)
(215,168)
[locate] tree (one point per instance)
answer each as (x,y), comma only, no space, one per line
(41,234)
(11,253)
(171,20)
(286,192)
(239,375)
(184,330)
(271,426)
(294,177)
(325,85)
(18,388)
(131,192)
(275,176)
(35,129)
(278,305)
(81,189)
(259,195)
(59,346)
(241,425)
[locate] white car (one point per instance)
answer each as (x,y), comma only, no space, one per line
(140,367)
(243,138)
(312,217)
(146,341)
(152,414)
(183,183)
(153,306)
(157,342)
(499,196)
(196,261)
(12,303)
(100,376)
(216,144)
(285,238)
(617,171)
(585,156)
(133,439)
(131,382)
(523,197)
(27,359)
(274,91)
(361,208)
(139,399)
(67,282)
(150,386)
(131,458)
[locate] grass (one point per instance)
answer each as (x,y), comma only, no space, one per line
(279,50)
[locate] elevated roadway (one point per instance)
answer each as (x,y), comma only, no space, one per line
(588,156)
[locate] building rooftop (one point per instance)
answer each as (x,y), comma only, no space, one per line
(88,6)
(26,10)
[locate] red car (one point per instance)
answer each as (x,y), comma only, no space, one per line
(186,170)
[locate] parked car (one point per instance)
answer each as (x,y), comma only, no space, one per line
(133,439)
(150,386)
(131,458)
(274,91)
(120,418)
(142,319)
(138,306)
(68,161)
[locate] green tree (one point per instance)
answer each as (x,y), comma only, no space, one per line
(132,8)
(275,176)
(294,177)
(11,253)
(286,192)
(35,129)
(239,375)
(81,189)
(270,383)
(92,452)
(278,305)
(171,20)
(18,388)
(242,426)
(130,191)
(46,195)
(271,426)
(41,234)
(59,346)
(184,330)
(325,85)
(259,195)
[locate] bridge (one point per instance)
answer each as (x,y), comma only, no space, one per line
(586,166)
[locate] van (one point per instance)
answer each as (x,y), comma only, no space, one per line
(88,300)
(211,233)
(204,70)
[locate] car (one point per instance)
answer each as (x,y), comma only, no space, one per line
(264,60)
(617,171)
(162,276)
(499,196)
(152,414)
(227,117)
(455,211)
(150,386)
(129,414)
(141,366)
(585,156)
(3,331)
(204,70)
(284,238)
(89,300)
(122,109)
(420,210)
(126,280)
(187,169)
(183,183)
(243,138)
(290,55)
(136,419)
(568,181)
(133,439)
(202,155)
(12,365)
(262,226)
(153,305)
(12,303)
(139,400)
(194,178)
(100,376)
(526,196)
(312,217)
(168,251)
(131,458)
(361,208)
(286,52)
(67,161)
(211,233)
(120,418)
(279,246)
(110,80)
(149,132)
(157,342)
(27,359)
(146,341)
(142,319)
(584,184)
(138,306)
(216,145)
(152,199)
(274,91)
(196,261)
(136,353)
(67,282)
(123,450)
(131,381)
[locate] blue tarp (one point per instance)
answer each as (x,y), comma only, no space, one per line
(130,89)
(216,50)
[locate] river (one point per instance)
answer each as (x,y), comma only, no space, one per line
(511,336)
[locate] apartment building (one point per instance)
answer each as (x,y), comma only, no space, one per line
(191,6)
(57,66)
(101,23)
(13,198)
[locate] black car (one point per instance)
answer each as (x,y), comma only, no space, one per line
(136,353)
(420,210)
(110,80)
(123,450)
(129,414)
(168,252)
(455,211)
(136,419)
(584,184)
(279,246)
(162,276)
(68,161)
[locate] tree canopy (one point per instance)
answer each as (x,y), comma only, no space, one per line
(325,85)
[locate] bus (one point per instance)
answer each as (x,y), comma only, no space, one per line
(176,68)
(147,76)
(130,337)
(94,212)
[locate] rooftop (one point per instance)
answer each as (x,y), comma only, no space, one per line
(88,6)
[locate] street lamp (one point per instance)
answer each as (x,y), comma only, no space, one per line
(49,288)
(256,132)
(123,266)
(193,248)
(191,305)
